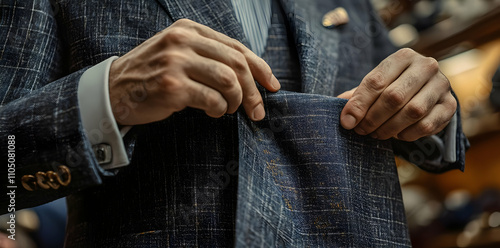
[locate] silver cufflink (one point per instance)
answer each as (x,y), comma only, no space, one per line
(335,18)
(103,153)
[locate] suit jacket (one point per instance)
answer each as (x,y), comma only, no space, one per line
(295,179)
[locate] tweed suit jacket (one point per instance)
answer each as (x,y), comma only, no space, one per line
(294,179)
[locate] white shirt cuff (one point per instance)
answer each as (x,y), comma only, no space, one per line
(446,144)
(450,141)
(97,117)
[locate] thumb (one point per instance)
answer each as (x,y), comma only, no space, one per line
(347,94)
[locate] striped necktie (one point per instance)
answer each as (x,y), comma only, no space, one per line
(255,18)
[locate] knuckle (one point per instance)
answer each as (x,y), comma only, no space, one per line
(175,57)
(386,64)
(211,99)
(369,124)
(394,98)
(405,52)
(176,35)
(375,81)
(384,133)
(235,44)
(450,105)
(227,78)
(452,102)
(170,84)
(233,99)
(415,111)
(431,64)
(411,80)
(355,108)
(239,62)
(261,66)
(252,98)
(183,22)
(445,83)
(214,102)
(426,128)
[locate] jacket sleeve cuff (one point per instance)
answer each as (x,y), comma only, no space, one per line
(436,153)
(97,117)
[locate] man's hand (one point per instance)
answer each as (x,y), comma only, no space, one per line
(187,65)
(405,96)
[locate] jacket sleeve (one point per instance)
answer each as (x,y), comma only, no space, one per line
(41,132)
(429,152)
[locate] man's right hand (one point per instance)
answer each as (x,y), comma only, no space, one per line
(187,65)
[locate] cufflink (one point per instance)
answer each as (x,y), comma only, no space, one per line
(335,18)
(103,153)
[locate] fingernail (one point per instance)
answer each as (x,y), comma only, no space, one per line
(349,121)
(275,83)
(258,113)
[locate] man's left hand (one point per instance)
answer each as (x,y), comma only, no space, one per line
(406,97)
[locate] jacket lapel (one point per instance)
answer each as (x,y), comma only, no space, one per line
(317,47)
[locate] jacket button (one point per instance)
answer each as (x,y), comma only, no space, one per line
(52,180)
(41,179)
(65,175)
(29,182)
(47,180)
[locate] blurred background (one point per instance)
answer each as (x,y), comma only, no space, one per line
(456,209)
(453,209)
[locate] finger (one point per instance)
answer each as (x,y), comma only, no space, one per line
(218,76)
(416,109)
(205,98)
(252,102)
(347,94)
(433,123)
(251,98)
(372,85)
(260,70)
(398,94)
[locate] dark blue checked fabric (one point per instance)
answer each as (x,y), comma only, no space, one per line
(306,182)
(295,179)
